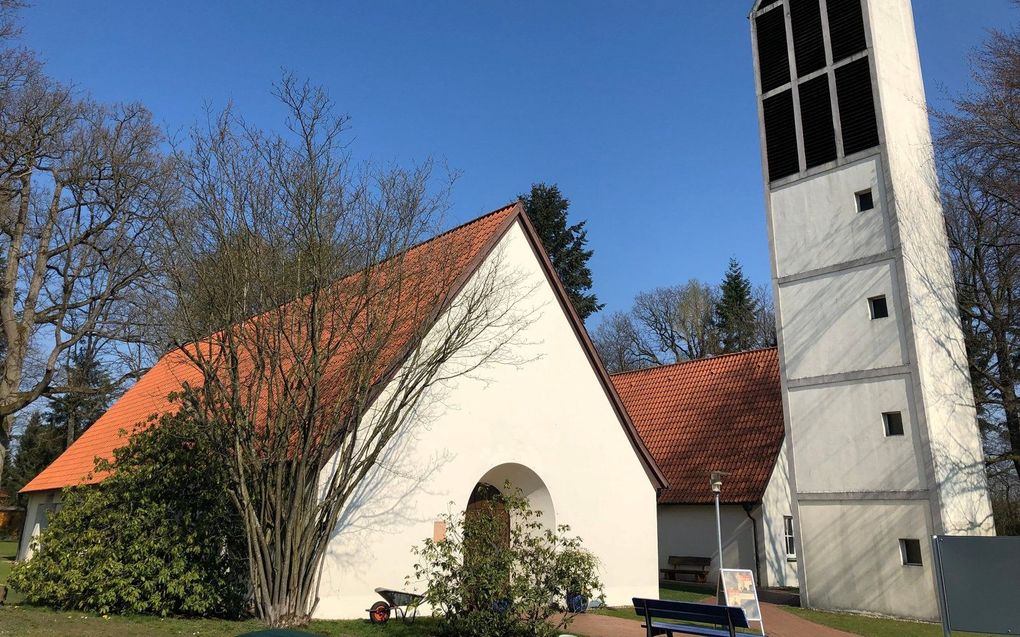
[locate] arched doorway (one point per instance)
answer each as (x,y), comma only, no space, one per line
(487,500)
(489,488)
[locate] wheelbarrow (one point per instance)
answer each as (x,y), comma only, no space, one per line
(405,605)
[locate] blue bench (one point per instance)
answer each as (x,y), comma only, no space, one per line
(657,611)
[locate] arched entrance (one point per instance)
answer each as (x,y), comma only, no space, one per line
(489,488)
(487,500)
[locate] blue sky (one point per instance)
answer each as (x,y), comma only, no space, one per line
(643,113)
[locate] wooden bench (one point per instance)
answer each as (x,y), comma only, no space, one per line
(662,617)
(686,565)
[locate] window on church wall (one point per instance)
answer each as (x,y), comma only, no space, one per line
(808,39)
(788,538)
(910,552)
(865,200)
(816,121)
(893,421)
(773,59)
(780,136)
(878,307)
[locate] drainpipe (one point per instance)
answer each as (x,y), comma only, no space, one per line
(754,534)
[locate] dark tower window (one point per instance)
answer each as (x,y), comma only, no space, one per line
(893,423)
(780,136)
(808,40)
(856,106)
(816,121)
(846,28)
(865,200)
(773,60)
(879,307)
(910,552)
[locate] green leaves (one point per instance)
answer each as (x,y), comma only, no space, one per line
(157,537)
(486,583)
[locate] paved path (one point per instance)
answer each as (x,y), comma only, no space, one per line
(778,623)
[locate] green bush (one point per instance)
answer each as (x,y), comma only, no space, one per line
(158,536)
(483,584)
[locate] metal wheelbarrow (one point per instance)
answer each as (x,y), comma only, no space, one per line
(405,605)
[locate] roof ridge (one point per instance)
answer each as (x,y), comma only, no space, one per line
(461,226)
(704,359)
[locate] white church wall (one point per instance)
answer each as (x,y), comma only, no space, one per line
(850,571)
(853,453)
(827,327)
(939,349)
(779,569)
(817,224)
(40,505)
(549,414)
(690,529)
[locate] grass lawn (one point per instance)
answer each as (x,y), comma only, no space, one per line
(676,591)
(8,551)
(30,621)
(874,626)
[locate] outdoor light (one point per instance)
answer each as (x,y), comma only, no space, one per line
(716,481)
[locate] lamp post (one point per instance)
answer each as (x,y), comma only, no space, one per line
(716,483)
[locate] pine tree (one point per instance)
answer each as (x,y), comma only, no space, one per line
(91,385)
(38,445)
(736,311)
(547,209)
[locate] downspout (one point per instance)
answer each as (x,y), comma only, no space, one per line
(754,535)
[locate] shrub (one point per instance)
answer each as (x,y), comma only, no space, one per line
(483,584)
(157,536)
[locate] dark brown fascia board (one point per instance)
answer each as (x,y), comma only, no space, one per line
(655,474)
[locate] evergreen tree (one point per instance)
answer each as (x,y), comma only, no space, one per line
(547,209)
(736,311)
(38,445)
(89,397)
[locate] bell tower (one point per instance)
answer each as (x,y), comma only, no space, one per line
(881,428)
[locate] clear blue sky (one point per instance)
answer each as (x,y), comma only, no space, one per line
(643,113)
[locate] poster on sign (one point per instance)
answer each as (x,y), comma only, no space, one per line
(739,591)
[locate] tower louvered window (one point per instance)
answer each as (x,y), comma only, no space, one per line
(819,87)
(808,39)
(780,135)
(816,121)
(773,61)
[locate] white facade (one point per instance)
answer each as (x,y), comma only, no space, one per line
(547,425)
(41,505)
(859,490)
(690,529)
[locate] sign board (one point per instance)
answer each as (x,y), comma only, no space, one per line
(978,580)
(739,591)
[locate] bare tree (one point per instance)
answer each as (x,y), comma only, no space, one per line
(979,171)
(331,332)
(619,343)
(764,316)
(80,185)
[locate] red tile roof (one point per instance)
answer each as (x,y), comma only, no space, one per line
(458,249)
(722,413)
(457,252)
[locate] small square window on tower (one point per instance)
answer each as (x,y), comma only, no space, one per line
(865,200)
(910,552)
(893,423)
(879,307)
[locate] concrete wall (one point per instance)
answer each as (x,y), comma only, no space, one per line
(858,491)
(690,529)
(961,498)
(777,503)
(549,414)
(40,505)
